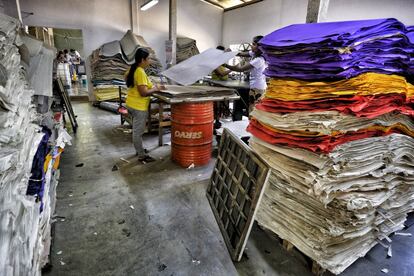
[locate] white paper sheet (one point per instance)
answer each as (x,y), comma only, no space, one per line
(198,66)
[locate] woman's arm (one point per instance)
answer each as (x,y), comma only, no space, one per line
(145,92)
(239,68)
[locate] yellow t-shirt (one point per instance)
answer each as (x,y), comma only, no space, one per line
(134,99)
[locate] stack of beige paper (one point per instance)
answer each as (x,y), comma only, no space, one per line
(110,62)
(130,43)
(335,207)
(19,140)
(186,48)
(105,92)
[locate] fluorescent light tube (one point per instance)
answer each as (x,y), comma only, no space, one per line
(149,4)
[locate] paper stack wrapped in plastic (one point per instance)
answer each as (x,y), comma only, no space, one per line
(335,126)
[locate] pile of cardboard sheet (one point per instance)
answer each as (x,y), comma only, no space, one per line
(25,215)
(340,150)
(110,62)
(186,48)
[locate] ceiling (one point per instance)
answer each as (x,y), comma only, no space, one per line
(231,4)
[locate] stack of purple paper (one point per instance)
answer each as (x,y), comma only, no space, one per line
(338,50)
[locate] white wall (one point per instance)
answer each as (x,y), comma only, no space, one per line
(340,10)
(241,25)
(195,19)
(101,21)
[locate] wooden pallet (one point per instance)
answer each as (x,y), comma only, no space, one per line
(316,269)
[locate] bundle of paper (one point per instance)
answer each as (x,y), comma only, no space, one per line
(367,84)
(107,92)
(186,48)
(25,209)
(39,64)
(360,106)
(110,62)
(130,43)
(335,207)
(19,138)
(340,150)
(337,50)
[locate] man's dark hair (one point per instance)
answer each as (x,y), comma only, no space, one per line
(257,38)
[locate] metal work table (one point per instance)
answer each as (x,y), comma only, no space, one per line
(163,99)
(242,88)
(235,84)
(177,100)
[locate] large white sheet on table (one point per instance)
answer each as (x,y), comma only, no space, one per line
(198,66)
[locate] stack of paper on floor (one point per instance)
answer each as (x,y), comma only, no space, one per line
(186,48)
(19,214)
(25,210)
(340,150)
(110,62)
(130,44)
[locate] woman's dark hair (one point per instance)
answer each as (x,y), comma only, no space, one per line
(256,40)
(220,48)
(140,54)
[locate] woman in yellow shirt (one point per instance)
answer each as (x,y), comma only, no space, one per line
(140,88)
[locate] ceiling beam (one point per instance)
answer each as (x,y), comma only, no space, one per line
(214,3)
(243,5)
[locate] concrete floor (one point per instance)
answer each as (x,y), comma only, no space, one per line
(154,219)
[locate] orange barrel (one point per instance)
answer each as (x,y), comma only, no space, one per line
(191,133)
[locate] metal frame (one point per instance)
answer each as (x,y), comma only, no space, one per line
(235,190)
(63,93)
